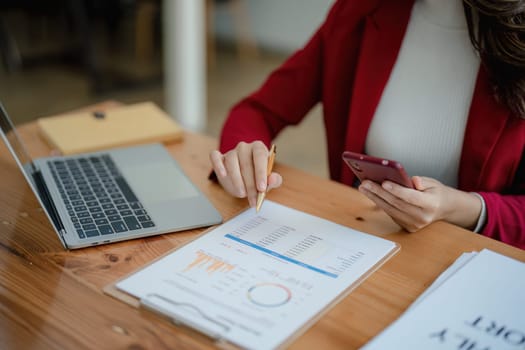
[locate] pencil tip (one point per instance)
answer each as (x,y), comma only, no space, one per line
(260,198)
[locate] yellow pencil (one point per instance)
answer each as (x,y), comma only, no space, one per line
(261,195)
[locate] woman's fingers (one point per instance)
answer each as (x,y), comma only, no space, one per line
(411,215)
(216,159)
(233,170)
(260,161)
(274,180)
(242,172)
(246,165)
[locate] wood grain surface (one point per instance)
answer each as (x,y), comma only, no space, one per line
(51,298)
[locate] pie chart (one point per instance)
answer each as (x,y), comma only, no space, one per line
(269,294)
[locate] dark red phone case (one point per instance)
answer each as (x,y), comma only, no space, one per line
(367,167)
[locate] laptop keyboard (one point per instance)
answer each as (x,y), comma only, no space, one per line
(98,199)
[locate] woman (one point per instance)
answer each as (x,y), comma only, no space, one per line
(438,85)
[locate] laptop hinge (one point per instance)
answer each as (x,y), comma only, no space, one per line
(50,207)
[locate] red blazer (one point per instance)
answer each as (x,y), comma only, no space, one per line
(345,66)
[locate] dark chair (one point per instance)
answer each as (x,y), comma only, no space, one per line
(79,17)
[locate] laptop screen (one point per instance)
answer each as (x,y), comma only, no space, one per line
(14,143)
(33,177)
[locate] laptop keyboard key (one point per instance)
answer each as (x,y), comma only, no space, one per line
(135,205)
(147,224)
(89,227)
(114,217)
(119,226)
(98,216)
(101,222)
(132,223)
(143,218)
(105,229)
(92,233)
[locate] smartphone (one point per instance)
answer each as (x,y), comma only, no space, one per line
(366,167)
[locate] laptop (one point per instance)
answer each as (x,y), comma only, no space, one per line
(108,196)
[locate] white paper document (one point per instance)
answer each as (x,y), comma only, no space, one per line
(456,265)
(478,304)
(257,279)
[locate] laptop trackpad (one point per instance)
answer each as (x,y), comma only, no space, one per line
(158,182)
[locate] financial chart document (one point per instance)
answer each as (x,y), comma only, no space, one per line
(257,279)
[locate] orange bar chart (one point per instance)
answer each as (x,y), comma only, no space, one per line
(209,263)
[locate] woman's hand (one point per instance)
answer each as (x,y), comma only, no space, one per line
(430,201)
(242,170)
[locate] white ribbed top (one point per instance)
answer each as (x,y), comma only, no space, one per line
(421,118)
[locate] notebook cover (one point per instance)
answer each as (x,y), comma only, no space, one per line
(122,126)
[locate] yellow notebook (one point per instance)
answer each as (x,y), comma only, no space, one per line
(122,126)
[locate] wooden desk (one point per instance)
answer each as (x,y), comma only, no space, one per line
(52,298)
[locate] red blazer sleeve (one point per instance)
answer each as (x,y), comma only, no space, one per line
(505,218)
(284,98)
(506,212)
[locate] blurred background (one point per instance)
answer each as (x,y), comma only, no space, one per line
(60,55)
